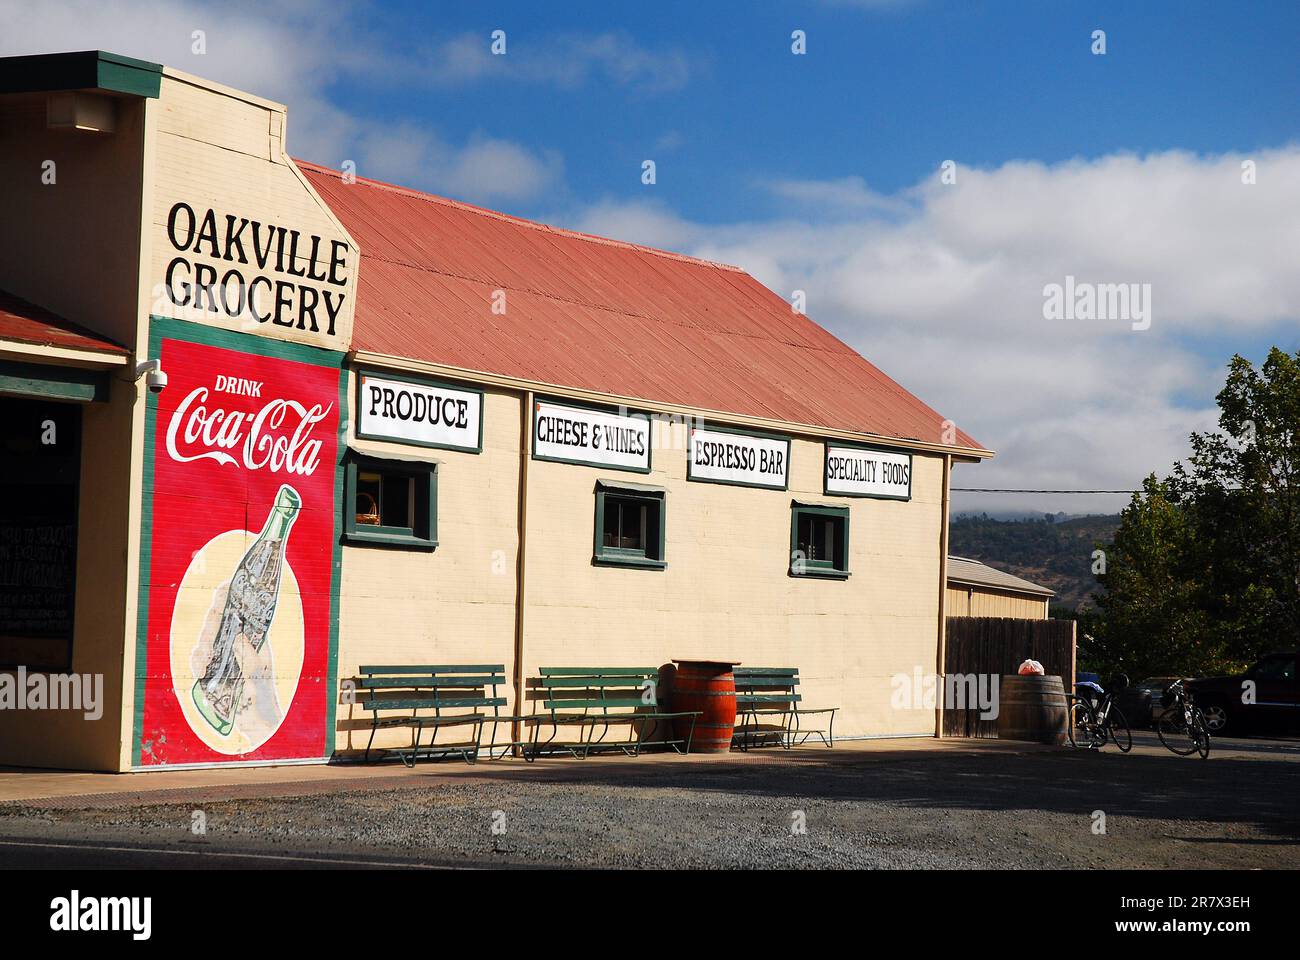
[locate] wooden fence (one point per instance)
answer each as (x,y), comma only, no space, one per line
(997,645)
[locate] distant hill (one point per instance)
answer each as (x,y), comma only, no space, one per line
(1056,552)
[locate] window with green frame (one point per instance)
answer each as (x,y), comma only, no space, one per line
(390,503)
(819,540)
(630,525)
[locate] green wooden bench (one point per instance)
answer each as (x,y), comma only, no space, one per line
(596,698)
(433,697)
(769,709)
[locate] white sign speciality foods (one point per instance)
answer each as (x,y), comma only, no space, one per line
(860,472)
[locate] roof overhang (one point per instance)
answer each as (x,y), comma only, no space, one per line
(82,70)
(1042,592)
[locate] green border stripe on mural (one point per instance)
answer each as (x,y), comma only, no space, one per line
(161,328)
(331,692)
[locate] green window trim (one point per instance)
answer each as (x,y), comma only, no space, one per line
(651,557)
(423,535)
(836,568)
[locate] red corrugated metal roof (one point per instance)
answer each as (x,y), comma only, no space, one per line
(28,323)
(601,315)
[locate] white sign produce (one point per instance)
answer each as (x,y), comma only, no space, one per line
(426,414)
(738,458)
(858,472)
(593,437)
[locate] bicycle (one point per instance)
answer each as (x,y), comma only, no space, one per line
(1092,727)
(1182,727)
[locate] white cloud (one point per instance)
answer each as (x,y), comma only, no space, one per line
(846,196)
(287,52)
(942,287)
(566,61)
(482,170)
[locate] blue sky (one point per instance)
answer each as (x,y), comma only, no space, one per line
(821,173)
(886,91)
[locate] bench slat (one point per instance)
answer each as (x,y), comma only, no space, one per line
(429,703)
(765,671)
(599,671)
(457,719)
(429,682)
(616,702)
(578,683)
(768,698)
(436,668)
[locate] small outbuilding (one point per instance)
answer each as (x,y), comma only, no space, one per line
(977,590)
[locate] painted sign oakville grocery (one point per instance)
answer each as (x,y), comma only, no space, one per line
(864,472)
(234,267)
(240,538)
(740,458)
(584,435)
(420,412)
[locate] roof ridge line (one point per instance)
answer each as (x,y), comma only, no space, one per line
(522,221)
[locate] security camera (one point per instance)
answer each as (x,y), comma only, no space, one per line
(155,378)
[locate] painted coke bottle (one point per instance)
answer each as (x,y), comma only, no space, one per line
(250,607)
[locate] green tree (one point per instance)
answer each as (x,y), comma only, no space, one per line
(1149,620)
(1204,571)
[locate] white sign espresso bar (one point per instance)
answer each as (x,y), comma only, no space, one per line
(738,458)
(426,414)
(592,437)
(857,472)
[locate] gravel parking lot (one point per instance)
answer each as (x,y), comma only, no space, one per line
(807,809)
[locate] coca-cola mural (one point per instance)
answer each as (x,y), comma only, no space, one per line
(239,567)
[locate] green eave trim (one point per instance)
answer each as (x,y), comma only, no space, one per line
(84,70)
(47,382)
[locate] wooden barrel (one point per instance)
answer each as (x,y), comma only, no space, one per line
(711,689)
(1031,708)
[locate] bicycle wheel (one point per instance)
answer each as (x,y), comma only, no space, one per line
(1117,728)
(1081,725)
(1202,733)
(1176,734)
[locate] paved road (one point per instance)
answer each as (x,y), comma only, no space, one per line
(809,809)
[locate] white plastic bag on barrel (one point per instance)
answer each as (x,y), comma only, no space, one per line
(1030,667)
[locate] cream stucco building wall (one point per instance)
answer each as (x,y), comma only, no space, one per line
(455,604)
(973,601)
(70,240)
(726,591)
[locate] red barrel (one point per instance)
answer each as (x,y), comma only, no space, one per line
(710,688)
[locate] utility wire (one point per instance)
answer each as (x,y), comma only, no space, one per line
(1013,490)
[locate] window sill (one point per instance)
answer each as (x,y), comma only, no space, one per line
(614,560)
(399,540)
(821,573)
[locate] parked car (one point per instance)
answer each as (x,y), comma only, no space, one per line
(1143,702)
(1261,700)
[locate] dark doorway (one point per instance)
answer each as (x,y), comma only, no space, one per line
(40,474)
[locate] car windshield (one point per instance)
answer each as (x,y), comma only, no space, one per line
(1274,668)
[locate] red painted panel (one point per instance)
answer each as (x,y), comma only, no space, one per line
(241,537)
